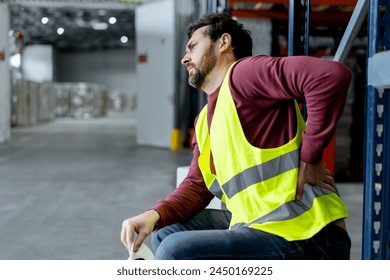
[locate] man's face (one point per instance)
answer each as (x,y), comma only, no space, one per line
(200,58)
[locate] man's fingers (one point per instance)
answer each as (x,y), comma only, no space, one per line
(299,191)
(140,239)
(329,180)
(328,186)
(123,235)
(127,234)
(136,229)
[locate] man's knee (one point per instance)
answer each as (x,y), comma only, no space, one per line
(156,239)
(158,236)
(173,247)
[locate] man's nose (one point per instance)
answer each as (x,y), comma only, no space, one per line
(185,59)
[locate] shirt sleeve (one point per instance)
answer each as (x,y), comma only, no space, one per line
(188,198)
(323,84)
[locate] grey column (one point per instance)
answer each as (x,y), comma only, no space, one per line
(5,82)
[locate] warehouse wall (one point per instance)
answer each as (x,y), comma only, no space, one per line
(114,69)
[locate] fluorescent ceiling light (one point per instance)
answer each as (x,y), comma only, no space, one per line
(112,20)
(124,39)
(60,31)
(99,26)
(45,20)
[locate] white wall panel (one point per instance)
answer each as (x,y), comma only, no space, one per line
(114,69)
(37,63)
(155,50)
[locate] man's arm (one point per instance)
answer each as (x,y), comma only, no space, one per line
(188,198)
(266,82)
(324,86)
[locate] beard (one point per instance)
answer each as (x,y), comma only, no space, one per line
(206,66)
(196,80)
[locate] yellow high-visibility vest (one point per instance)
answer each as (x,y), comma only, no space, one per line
(258,186)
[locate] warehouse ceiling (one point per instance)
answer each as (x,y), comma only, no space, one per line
(74,25)
(107,24)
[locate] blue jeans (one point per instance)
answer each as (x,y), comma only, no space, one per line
(206,236)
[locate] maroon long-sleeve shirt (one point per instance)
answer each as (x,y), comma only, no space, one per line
(263,89)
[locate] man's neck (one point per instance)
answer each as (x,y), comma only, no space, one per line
(216,77)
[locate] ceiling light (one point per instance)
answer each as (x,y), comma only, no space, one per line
(112,20)
(124,39)
(99,26)
(60,31)
(45,20)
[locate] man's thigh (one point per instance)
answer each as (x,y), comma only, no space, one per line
(243,243)
(207,219)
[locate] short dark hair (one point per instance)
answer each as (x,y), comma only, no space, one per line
(220,23)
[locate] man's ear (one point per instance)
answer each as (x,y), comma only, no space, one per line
(225,42)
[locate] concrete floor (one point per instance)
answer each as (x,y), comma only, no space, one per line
(66,187)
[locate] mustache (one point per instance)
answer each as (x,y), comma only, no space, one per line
(188,66)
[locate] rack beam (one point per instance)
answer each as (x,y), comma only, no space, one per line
(286,2)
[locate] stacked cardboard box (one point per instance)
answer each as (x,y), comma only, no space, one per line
(62,99)
(88,100)
(37,102)
(32,103)
(117,100)
(46,102)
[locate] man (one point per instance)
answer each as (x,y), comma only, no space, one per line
(253,150)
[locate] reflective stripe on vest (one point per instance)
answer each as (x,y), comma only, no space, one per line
(291,209)
(258,185)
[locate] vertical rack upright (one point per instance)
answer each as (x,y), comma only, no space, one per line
(377,134)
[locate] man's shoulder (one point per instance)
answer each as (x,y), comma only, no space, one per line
(255,58)
(249,62)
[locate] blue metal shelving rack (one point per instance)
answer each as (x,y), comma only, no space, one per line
(376,224)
